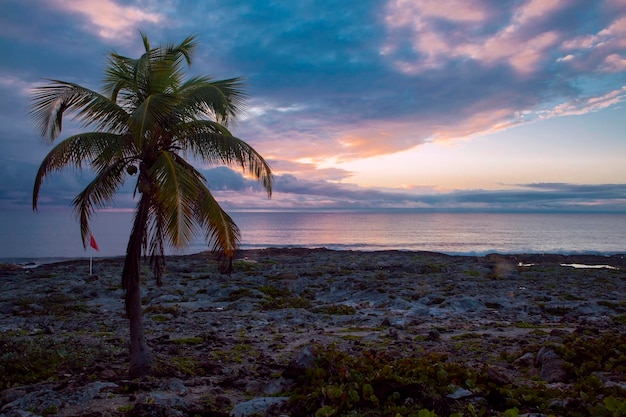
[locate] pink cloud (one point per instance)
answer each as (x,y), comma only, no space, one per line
(108,19)
(604,51)
(518,44)
(343,143)
(615,63)
(534,9)
(532,52)
(404,11)
(612,36)
(586,105)
(308,170)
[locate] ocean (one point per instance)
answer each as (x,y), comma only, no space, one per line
(51,235)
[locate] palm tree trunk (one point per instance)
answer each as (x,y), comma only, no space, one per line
(140,355)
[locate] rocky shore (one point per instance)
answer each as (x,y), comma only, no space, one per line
(236,344)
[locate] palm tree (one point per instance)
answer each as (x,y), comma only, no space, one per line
(149,118)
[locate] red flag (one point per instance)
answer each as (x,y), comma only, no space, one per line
(92,242)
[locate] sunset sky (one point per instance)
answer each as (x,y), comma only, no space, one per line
(360,104)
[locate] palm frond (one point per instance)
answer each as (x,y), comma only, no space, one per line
(220,100)
(51,102)
(220,230)
(176,187)
(214,144)
(152,113)
(145,40)
(154,245)
(117,147)
(118,75)
(75,151)
(97,194)
(185,49)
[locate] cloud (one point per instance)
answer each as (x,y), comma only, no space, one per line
(293,192)
(436,36)
(110,20)
(335,81)
(222,178)
(236,192)
(416,74)
(585,105)
(524,197)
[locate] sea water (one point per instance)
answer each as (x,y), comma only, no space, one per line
(52,234)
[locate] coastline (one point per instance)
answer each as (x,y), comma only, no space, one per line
(239,333)
(589,256)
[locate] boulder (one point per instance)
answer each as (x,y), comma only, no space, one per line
(264,406)
(304,359)
(553,367)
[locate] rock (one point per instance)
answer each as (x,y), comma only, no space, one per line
(259,406)
(419,310)
(464,305)
(11,394)
(153,410)
(43,399)
(277,386)
(254,387)
(108,375)
(174,385)
(166,298)
(526,359)
(166,399)
(89,392)
(433,335)
(19,413)
(304,359)
(222,401)
(553,368)
(497,375)
(460,393)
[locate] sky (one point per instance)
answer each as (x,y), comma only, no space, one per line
(435,105)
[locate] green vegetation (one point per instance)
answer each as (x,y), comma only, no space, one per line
(125,408)
(180,366)
(280,298)
(185,364)
(161,309)
(238,294)
(245,265)
(373,383)
(57,304)
(236,355)
(187,341)
(369,382)
(26,360)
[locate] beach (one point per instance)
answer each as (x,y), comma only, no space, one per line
(221,341)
